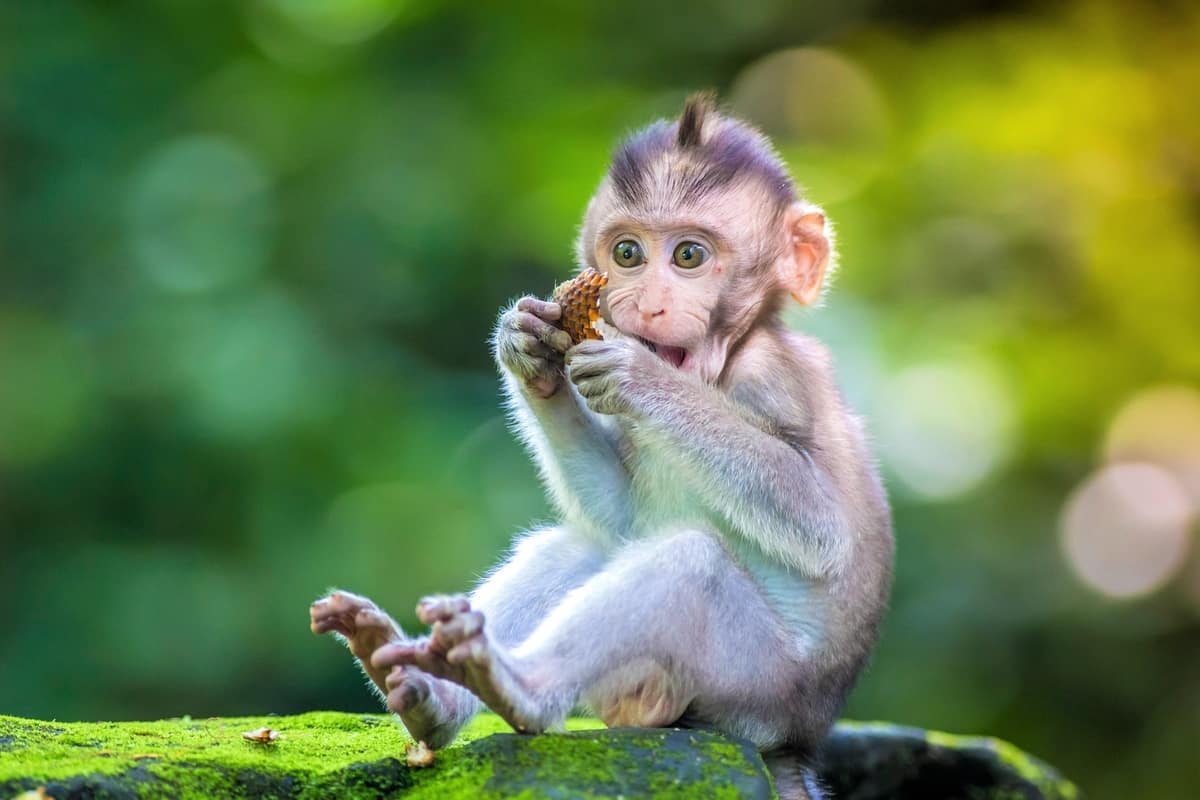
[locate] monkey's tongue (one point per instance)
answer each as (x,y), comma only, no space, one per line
(675,356)
(672,355)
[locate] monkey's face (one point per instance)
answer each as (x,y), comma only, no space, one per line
(675,270)
(664,280)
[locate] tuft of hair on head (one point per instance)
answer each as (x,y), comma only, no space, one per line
(697,110)
(684,161)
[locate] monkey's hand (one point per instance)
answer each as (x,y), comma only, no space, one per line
(529,347)
(615,375)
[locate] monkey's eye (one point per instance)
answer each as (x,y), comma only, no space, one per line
(690,255)
(628,253)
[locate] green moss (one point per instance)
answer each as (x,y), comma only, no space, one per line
(346,755)
(361,756)
(1025,765)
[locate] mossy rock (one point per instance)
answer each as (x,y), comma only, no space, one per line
(862,761)
(328,754)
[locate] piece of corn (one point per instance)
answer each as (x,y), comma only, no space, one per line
(580,301)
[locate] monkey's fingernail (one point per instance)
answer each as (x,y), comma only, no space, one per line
(562,340)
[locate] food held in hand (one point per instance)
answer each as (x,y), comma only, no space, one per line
(580,301)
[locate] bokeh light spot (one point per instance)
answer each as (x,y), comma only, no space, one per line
(823,112)
(342,22)
(812,95)
(199,214)
(945,427)
(1125,530)
(1160,425)
(246,367)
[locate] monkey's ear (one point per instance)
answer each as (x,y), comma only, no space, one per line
(806,256)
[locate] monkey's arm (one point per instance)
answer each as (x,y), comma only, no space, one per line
(577,457)
(775,493)
(575,449)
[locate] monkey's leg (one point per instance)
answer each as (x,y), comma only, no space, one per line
(675,614)
(543,566)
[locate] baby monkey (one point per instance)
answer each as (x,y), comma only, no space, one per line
(724,555)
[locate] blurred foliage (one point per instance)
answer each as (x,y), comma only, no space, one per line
(250,254)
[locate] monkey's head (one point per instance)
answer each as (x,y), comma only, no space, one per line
(701,232)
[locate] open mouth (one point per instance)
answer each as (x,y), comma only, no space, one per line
(672,355)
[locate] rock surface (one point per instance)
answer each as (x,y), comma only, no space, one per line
(327,754)
(877,761)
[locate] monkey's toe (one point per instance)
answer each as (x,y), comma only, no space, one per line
(441,607)
(454,631)
(473,651)
(372,619)
(330,624)
(406,690)
(325,617)
(340,602)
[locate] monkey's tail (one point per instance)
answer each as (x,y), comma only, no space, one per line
(794,776)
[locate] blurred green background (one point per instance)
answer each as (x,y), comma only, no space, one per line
(250,253)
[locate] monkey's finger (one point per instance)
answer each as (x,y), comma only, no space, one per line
(533,347)
(590,357)
(547,310)
(587,387)
(597,401)
(560,340)
(441,607)
(589,347)
(583,368)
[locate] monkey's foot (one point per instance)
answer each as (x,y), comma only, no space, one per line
(458,650)
(426,706)
(428,710)
(360,624)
